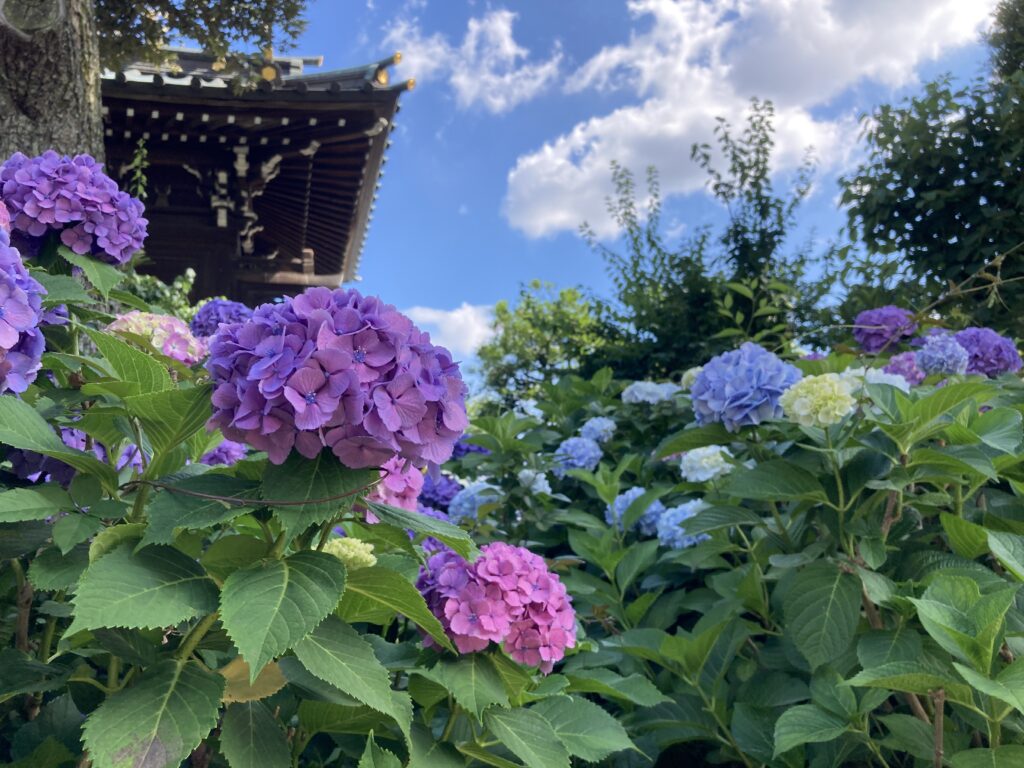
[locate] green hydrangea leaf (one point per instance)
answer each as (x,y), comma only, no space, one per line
(158,720)
(154,587)
(250,737)
(271,605)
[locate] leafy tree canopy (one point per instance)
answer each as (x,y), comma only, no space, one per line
(941,183)
(547,334)
(132,31)
(671,306)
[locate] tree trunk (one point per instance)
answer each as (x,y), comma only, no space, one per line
(49,78)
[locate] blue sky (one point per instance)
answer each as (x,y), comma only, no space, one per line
(503,147)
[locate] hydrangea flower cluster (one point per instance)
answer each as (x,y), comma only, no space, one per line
(742,387)
(463,447)
(21,312)
(689,376)
(941,353)
(430,544)
(336,369)
(438,492)
(227,453)
(600,429)
(74,196)
(35,467)
(399,486)
(672,532)
(354,553)
(818,401)
(577,453)
(166,333)
(707,463)
(989,353)
(534,481)
(882,327)
(858,378)
(506,596)
(212,313)
(466,503)
(649,392)
(648,522)
(905,364)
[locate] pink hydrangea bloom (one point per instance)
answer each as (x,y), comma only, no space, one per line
(166,333)
(507,596)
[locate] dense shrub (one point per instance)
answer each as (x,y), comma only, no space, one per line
(168,596)
(819,573)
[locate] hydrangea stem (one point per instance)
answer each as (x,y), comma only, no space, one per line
(188,645)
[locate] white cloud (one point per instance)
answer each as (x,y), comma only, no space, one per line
(488,67)
(690,61)
(462,330)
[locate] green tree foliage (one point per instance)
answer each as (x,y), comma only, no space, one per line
(547,334)
(671,307)
(941,183)
(130,31)
(662,314)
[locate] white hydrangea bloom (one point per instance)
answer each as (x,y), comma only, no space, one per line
(857,378)
(648,392)
(707,463)
(818,401)
(690,376)
(534,481)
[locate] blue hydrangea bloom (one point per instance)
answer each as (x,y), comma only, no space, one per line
(672,533)
(742,388)
(599,429)
(467,502)
(648,522)
(577,453)
(942,353)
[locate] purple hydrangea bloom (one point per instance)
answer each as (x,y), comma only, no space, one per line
(21,313)
(440,492)
(336,369)
(648,522)
(880,328)
(430,544)
(990,354)
(507,596)
(941,353)
(905,364)
(75,197)
(577,453)
(36,467)
(464,447)
(742,388)
(216,311)
(672,533)
(227,453)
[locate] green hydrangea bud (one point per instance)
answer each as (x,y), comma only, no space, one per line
(354,553)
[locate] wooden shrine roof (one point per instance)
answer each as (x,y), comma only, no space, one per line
(305,149)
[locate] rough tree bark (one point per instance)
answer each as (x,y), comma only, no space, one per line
(49,78)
